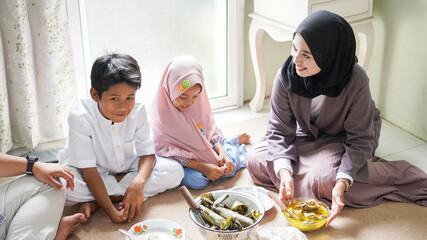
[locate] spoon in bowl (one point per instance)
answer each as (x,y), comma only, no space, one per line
(127,234)
(281,205)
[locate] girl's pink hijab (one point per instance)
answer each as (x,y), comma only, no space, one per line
(177,133)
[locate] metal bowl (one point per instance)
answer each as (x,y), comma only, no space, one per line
(250,201)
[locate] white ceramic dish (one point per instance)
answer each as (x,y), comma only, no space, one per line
(262,194)
(161,229)
(249,200)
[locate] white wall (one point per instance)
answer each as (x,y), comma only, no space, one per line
(398,66)
(399,63)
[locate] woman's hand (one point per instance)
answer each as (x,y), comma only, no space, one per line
(286,190)
(133,200)
(337,201)
(50,173)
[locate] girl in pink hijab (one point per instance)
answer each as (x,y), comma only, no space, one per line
(185,130)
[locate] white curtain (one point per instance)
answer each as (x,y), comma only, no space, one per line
(37,80)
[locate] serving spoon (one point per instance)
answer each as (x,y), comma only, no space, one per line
(127,234)
(281,205)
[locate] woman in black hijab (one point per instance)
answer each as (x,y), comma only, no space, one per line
(324,127)
(333,46)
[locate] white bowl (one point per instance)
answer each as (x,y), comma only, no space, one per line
(250,201)
(157,229)
(260,191)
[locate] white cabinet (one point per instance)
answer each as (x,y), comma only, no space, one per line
(280,18)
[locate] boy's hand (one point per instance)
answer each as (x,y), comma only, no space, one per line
(118,217)
(97,187)
(133,200)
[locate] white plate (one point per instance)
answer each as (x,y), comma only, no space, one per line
(157,229)
(262,194)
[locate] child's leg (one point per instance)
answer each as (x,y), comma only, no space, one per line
(194,179)
(32,209)
(166,174)
(82,193)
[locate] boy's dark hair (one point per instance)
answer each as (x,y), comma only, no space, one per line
(114,68)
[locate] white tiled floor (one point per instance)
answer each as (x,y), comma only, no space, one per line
(395,143)
(240,114)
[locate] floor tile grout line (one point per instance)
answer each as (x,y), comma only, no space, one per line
(408,149)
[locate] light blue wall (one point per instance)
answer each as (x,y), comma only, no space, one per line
(398,66)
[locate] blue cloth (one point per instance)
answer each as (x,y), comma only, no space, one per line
(197,180)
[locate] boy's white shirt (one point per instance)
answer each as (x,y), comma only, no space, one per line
(94,141)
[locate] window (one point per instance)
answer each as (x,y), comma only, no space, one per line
(154,31)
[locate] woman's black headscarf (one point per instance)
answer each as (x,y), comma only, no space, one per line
(331,41)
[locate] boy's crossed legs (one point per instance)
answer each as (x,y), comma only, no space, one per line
(166,174)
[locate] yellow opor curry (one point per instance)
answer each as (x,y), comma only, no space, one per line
(307,215)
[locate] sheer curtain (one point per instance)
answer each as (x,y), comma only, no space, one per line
(37,80)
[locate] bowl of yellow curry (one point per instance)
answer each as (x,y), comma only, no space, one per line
(307,214)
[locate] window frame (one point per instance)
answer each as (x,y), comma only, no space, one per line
(235,52)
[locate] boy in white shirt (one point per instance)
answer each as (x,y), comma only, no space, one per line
(110,147)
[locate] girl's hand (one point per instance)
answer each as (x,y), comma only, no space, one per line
(337,201)
(227,166)
(225,162)
(212,171)
(286,190)
(133,200)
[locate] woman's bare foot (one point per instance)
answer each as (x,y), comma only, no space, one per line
(244,138)
(68,225)
(87,208)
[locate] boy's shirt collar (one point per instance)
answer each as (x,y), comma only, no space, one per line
(101,119)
